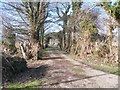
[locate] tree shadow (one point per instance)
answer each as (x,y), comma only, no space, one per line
(73,80)
(31,78)
(32,73)
(16,72)
(52,58)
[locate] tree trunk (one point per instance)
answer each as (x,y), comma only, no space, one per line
(23,51)
(35,44)
(42,39)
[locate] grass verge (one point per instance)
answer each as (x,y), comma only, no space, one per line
(113,69)
(26,85)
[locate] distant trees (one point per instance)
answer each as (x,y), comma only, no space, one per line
(63,15)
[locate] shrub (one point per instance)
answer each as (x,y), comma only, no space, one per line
(12,66)
(103,51)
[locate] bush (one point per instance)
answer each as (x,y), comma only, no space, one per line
(103,51)
(12,66)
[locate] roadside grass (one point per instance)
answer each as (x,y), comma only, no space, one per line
(26,85)
(51,48)
(103,67)
(113,69)
(117,72)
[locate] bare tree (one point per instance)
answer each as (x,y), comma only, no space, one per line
(33,16)
(63,15)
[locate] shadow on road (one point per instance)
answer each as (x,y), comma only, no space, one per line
(73,80)
(52,58)
(32,74)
